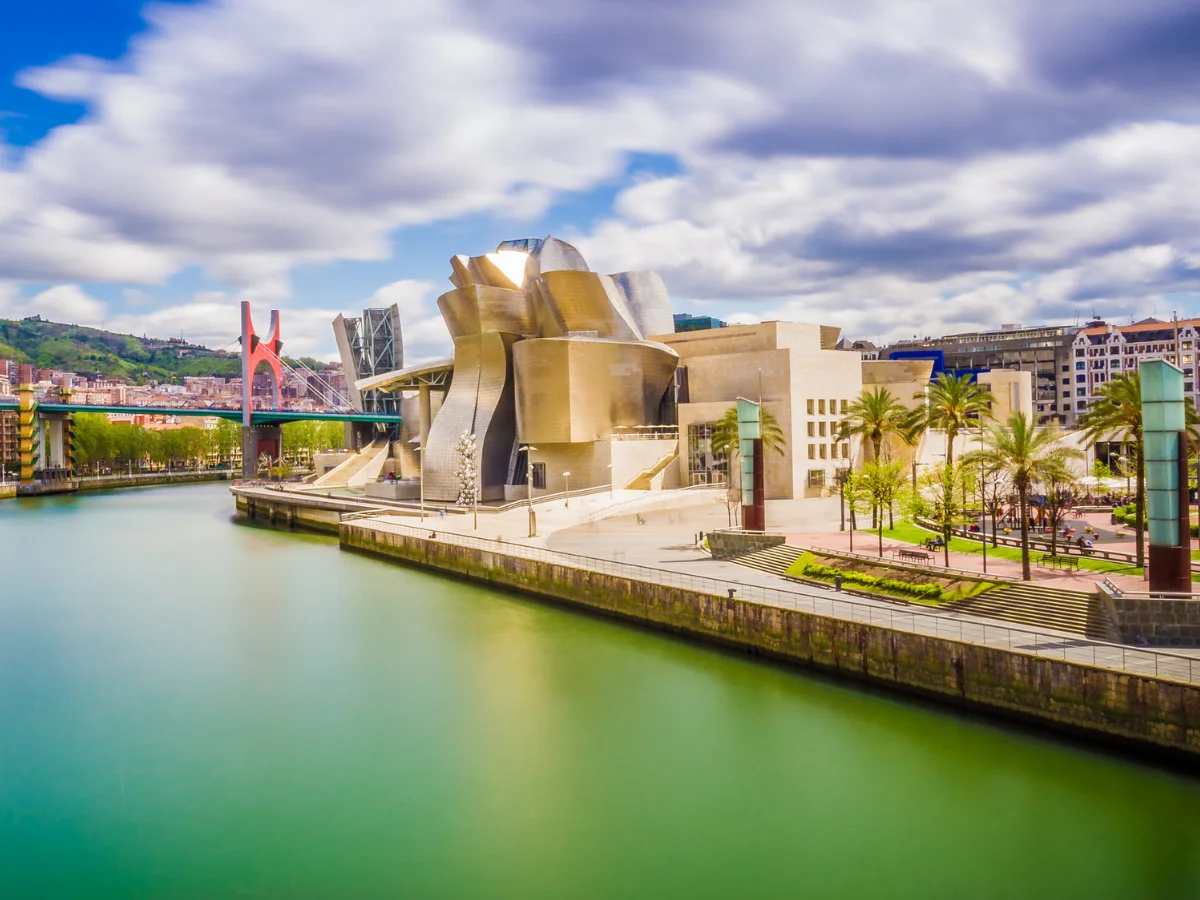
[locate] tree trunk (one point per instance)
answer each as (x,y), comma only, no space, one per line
(891,517)
(1054,537)
(995,509)
(946,543)
(951,434)
(1140,508)
(1022,492)
(881,537)
(914,468)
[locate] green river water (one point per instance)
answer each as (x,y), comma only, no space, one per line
(195,708)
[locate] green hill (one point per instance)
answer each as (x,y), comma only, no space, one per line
(93,352)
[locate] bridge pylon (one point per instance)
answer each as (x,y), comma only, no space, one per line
(256,352)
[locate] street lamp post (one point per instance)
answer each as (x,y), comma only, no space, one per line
(567,479)
(983,518)
(421,451)
(528,448)
(612,488)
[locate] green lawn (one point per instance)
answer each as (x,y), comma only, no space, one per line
(914,534)
(967,589)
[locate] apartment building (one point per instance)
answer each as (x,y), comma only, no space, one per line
(1102,351)
(1046,352)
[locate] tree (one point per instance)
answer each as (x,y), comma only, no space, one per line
(1026,454)
(883,482)
(725,440)
(952,404)
(856,497)
(1055,504)
(995,492)
(937,501)
(1118,411)
(873,416)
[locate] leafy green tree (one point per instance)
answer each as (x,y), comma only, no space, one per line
(1118,412)
(883,482)
(937,500)
(952,404)
(1026,454)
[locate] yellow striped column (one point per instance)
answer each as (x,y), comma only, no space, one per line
(27,431)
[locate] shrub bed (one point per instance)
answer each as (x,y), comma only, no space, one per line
(891,585)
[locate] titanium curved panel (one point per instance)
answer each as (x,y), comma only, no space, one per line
(608,384)
(480,401)
(554,256)
(476,308)
(579,301)
(649,303)
(460,312)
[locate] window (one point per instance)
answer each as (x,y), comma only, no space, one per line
(816,478)
(821,429)
(1066,393)
(1066,368)
(845,407)
(845,450)
(833,407)
(821,407)
(704,466)
(1080,378)
(1080,392)
(1187,386)
(1079,352)
(1066,381)
(810,407)
(1116,364)
(1080,365)
(823,451)
(812,430)
(539,475)
(812,451)
(1114,349)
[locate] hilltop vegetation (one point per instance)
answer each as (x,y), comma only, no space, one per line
(93,352)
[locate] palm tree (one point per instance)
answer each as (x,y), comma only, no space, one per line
(1118,411)
(1025,454)
(725,440)
(952,403)
(874,414)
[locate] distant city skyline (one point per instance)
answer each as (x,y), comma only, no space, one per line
(893,170)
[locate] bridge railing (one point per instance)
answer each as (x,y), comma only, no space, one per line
(1117,657)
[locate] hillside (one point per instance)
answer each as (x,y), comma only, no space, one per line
(124,357)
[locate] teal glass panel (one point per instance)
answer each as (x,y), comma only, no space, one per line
(1163,533)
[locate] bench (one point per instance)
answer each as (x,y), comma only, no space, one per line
(1051,561)
(912,555)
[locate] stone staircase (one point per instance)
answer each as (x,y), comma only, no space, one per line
(644,480)
(1036,606)
(774,560)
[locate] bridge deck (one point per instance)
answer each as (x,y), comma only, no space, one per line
(258,416)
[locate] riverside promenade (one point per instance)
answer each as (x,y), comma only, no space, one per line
(651,572)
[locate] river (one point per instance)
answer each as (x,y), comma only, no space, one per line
(190,707)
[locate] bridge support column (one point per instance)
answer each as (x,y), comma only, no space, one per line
(256,441)
(28,432)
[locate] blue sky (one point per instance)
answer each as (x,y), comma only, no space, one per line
(894,169)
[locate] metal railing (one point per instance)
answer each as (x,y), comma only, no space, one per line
(145,476)
(1116,657)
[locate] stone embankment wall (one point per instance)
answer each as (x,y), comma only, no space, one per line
(287,510)
(108,483)
(1173,622)
(727,544)
(7,490)
(1120,706)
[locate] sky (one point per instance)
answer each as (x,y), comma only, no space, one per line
(893,168)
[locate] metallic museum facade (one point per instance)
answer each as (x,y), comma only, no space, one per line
(552,365)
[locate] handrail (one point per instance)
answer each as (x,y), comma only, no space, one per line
(1101,654)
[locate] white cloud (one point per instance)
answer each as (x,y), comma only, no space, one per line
(67,303)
